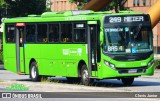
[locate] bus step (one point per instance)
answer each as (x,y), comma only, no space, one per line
(21,73)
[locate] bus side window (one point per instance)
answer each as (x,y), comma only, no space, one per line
(79,32)
(53,33)
(66,35)
(10,33)
(42,33)
(30,33)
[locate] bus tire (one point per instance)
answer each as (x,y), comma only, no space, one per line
(34,72)
(85,80)
(127,81)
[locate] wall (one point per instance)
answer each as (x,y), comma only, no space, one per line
(62,5)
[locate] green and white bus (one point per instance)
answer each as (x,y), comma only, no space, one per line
(84,45)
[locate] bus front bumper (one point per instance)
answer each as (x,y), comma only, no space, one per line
(133,72)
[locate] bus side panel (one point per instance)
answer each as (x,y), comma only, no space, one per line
(47,58)
(27,61)
(52,60)
(56,59)
(9,52)
(32,51)
(63,58)
(70,55)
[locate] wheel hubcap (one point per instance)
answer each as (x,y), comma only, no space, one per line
(33,72)
(85,75)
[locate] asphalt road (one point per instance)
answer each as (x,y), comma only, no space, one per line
(141,84)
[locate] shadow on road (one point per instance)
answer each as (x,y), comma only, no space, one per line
(146,83)
(1,67)
(112,83)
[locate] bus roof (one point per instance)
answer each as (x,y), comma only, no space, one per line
(76,15)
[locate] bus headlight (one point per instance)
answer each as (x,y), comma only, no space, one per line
(150,63)
(109,64)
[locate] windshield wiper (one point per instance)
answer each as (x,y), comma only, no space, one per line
(138,30)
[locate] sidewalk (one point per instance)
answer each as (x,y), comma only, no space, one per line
(156,56)
(156,74)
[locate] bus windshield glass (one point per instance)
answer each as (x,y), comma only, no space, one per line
(128,39)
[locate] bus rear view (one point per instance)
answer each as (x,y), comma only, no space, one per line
(128,47)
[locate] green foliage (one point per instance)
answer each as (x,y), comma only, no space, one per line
(48,6)
(2,6)
(2,3)
(157,64)
(19,8)
(114,5)
(80,3)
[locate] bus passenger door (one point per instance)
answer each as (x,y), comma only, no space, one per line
(20,29)
(93,47)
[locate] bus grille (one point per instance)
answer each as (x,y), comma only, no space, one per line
(131,71)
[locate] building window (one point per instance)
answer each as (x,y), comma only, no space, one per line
(134,2)
(138,2)
(144,2)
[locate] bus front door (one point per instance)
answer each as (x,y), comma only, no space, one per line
(20,48)
(93,47)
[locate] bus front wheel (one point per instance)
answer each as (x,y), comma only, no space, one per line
(34,72)
(85,80)
(127,81)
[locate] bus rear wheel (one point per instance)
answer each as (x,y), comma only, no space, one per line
(85,80)
(34,72)
(127,81)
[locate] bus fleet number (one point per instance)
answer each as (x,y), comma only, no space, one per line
(115,19)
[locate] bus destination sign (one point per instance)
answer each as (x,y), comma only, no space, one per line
(125,19)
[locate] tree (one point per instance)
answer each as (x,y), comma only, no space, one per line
(2,7)
(115,4)
(80,3)
(2,3)
(48,5)
(19,8)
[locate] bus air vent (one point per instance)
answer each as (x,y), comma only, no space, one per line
(106,12)
(48,14)
(128,12)
(67,13)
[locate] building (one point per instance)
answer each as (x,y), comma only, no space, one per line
(62,5)
(143,6)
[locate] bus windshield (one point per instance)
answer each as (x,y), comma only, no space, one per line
(130,39)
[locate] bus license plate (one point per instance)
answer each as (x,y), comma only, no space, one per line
(132,71)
